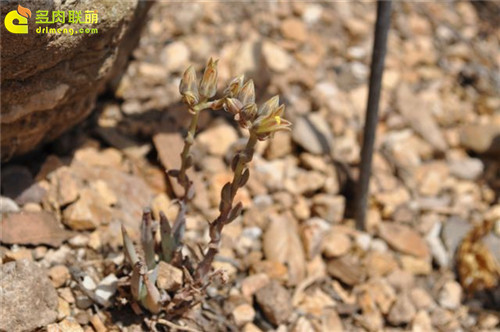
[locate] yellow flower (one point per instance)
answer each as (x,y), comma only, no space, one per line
(270,121)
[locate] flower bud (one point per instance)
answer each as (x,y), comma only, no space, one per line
(234,87)
(247,93)
(266,125)
(233,105)
(208,84)
(269,106)
(188,87)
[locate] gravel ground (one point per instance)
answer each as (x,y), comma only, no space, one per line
(293,260)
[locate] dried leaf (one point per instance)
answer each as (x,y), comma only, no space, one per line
(147,239)
(129,248)
(282,244)
(244,177)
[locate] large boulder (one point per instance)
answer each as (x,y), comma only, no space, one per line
(50,81)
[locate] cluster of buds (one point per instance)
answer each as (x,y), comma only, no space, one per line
(238,99)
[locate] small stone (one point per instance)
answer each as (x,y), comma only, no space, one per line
(169,277)
(87,212)
(481,138)
(253,283)
(83,302)
(276,57)
(8,205)
(63,309)
(306,182)
(379,264)
(70,325)
(279,146)
(401,280)
(313,134)
(294,29)
(275,302)
(422,299)
(218,139)
(402,312)
(79,241)
(59,274)
(336,244)
(436,246)
(417,266)
(347,269)
(39,252)
(175,56)
(95,241)
(330,321)
(107,196)
(454,231)
(312,233)
(329,207)
(18,255)
(32,298)
(422,322)
(106,289)
(466,169)
(450,295)
(403,239)
(65,186)
(242,314)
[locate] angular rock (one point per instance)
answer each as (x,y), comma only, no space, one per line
(32,228)
(402,312)
(218,139)
(294,29)
(450,295)
(32,300)
(418,115)
(466,169)
(313,134)
(403,239)
(347,269)
(242,314)
(169,277)
(275,302)
(50,82)
(276,57)
(481,138)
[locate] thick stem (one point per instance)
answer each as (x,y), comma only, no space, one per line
(217,225)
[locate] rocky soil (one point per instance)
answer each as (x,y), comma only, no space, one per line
(294,259)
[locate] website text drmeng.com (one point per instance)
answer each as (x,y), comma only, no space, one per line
(67,31)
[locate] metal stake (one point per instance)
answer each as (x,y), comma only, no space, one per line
(371,117)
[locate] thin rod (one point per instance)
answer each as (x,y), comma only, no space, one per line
(371,118)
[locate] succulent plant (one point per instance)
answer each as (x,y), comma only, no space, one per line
(261,123)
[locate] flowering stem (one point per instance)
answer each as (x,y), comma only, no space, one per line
(216,226)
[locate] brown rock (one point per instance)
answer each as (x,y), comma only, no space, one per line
(87,213)
(330,321)
(336,244)
(379,263)
(32,228)
(218,139)
(312,233)
(253,283)
(450,295)
(282,243)
(403,239)
(402,312)
(279,146)
(294,29)
(64,186)
(416,265)
(277,59)
(274,269)
(347,269)
(481,138)
(242,314)
(329,207)
(422,299)
(275,302)
(61,75)
(18,255)
(59,274)
(422,322)
(169,277)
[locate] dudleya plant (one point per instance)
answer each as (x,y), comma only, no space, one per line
(261,122)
